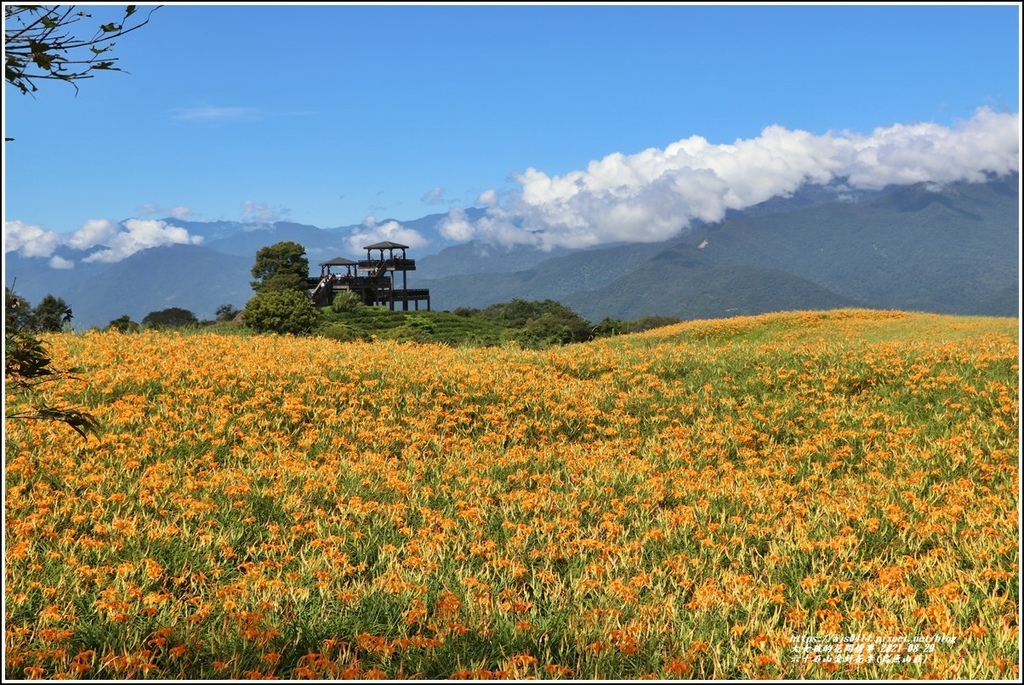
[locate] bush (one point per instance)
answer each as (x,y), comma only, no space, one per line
(281,311)
(346,301)
(339,331)
(408,333)
(124,324)
(173,317)
(546,321)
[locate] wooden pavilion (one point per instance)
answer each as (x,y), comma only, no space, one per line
(372,279)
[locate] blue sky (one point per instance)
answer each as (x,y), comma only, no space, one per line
(574,124)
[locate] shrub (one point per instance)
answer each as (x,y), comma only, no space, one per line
(172,317)
(281,311)
(338,331)
(346,301)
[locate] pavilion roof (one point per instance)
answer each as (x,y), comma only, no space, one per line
(387,244)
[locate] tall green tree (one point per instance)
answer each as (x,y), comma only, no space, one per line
(52,314)
(281,266)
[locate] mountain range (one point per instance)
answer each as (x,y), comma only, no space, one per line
(953,250)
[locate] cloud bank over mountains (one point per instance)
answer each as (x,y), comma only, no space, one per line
(645,197)
(116,241)
(656,194)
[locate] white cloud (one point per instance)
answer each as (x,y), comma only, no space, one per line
(655,194)
(488,198)
(61,263)
(456,226)
(92,233)
(372,232)
(29,240)
(116,240)
(141,234)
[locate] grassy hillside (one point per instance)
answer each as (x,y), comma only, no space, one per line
(827,495)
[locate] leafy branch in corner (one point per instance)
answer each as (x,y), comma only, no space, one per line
(40,44)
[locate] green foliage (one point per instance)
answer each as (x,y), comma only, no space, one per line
(646,323)
(546,321)
(408,333)
(346,301)
(609,327)
(282,281)
(338,331)
(226,312)
(27,365)
(531,324)
(40,44)
(124,324)
(281,266)
(414,328)
(51,314)
(281,311)
(17,311)
(172,317)
(420,321)
(366,323)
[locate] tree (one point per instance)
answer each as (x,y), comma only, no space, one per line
(124,324)
(646,323)
(281,311)
(40,44)
(226,312)
(609,327)
(546,321)
(27,366)
(281,266)
(172,317)
(17,311)
(52,314)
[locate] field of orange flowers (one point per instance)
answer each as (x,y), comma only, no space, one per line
(803,495)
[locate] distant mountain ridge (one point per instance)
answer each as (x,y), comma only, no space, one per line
(945,250)
(954,250)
